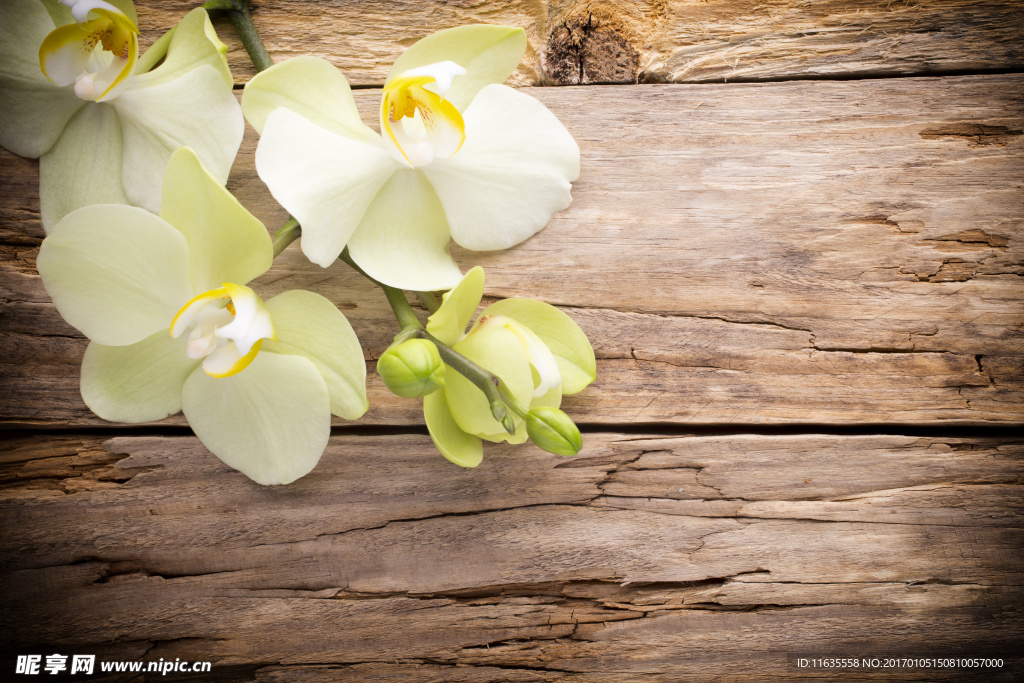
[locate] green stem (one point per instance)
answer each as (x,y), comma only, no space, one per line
(429,300)
(288,233)
(155,53)
(238,12)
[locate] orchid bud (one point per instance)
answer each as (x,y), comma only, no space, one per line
(412,368)
(552,430)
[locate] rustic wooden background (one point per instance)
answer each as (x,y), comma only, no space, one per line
(797,245)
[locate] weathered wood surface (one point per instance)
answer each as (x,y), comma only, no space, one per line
(765,253)
(626,41)
(666,558)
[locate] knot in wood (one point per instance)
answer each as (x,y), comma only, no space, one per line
(587,49)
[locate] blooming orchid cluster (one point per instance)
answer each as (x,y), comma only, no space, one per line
(152,259)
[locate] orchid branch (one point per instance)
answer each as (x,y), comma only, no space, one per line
(238,12)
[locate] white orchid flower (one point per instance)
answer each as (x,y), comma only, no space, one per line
(70,95)
(461,157)
(173,327)
(539,353)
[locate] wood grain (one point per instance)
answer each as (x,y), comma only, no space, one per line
(626,41)
(842,252)
(668,556)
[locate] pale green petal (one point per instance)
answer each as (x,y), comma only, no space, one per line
(271,421)
(461,448)
(83,167)
(448,323)
(33,110)
(226,242)
(512,173)
(403,239)
(137,383)
(117,273)
(489,54)
(553,399)
(196,110)
(311,87)
(499,351)
(565,339)
(326,181)
(309,325)
(193,44)
(60,13)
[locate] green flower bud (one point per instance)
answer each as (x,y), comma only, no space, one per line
(412,368)
(552,430)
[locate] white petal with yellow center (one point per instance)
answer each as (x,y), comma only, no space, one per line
(416,119)
(227,326)
(97,55)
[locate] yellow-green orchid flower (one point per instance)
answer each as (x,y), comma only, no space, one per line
(460,156)
(70,94)
(173,327)
(536,350)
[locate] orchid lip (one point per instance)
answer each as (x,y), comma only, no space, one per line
(227,327)
(537,352)
(415,117)
(97,55)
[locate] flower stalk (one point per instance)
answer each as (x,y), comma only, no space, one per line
(288,233)
(238,12)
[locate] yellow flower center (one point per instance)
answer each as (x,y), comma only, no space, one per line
(415,117)
(96,55)
(228,326)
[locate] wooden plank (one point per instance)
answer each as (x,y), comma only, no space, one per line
(626,41)
(672,557)
(777,253)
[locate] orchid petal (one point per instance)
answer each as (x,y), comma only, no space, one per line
(403,239)
(137,383)
(565,339)
(271,421)
(489,54)
(33,110)
(194,43)
(60,14)
(448,323)
(83,167)
(511,175)
(326,181)
(461,448)
(311,87)
(226,242)
(309,325)
(117,273)
(499,351)
(196,110)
